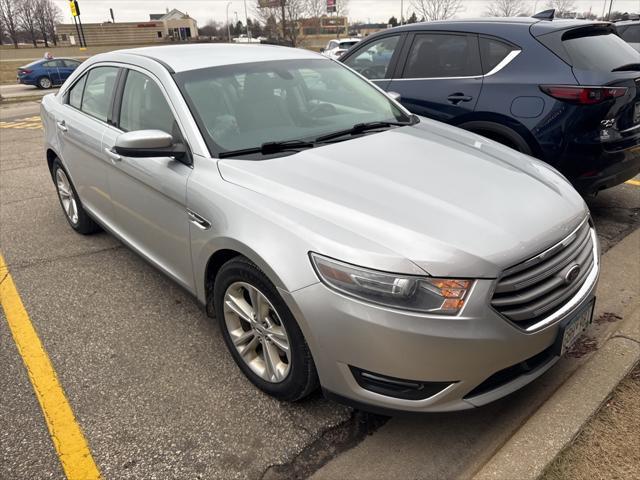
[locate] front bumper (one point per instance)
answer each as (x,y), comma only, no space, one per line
(464,352)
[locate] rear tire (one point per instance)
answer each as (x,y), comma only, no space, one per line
(44,83)
(258,328)
(75,214)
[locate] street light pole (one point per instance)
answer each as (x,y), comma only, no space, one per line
(228,26)
(401,12)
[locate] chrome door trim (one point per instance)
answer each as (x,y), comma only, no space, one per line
(505,61)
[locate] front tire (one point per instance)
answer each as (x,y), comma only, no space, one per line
(261,333)
(76,215)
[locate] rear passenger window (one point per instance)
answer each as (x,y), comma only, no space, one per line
(98,92)
(75,94)
(493,52)
(144,106)
(437,55)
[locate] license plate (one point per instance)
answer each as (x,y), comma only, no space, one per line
(574,328)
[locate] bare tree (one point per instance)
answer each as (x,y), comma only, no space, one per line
(505,8)
(9,18)
(26,10)
(562,7)
(288,13)
(48,15)
(318,8)
(438,9)
(53,17)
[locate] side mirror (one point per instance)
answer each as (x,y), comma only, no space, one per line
(322,50)
(148,143)
(395,96)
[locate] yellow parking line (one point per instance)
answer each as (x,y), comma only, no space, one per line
(633,182)
(68,439)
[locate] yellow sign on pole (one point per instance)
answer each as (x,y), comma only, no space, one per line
(75,9)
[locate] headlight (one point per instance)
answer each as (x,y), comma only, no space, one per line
(421,294)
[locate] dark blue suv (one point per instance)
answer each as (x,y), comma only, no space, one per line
(564,91)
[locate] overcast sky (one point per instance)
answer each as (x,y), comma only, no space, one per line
(359,10)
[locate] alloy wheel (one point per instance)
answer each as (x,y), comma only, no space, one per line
(45,82)
(67,197)
(257,332)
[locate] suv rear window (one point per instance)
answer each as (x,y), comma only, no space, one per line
(600,51)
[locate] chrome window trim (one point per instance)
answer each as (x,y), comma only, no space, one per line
(503,63)
(580,295)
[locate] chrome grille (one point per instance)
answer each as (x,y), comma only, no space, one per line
(536,288)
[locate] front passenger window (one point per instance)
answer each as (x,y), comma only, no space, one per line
(144,106)
(98,92)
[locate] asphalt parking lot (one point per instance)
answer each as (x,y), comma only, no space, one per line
(147,374)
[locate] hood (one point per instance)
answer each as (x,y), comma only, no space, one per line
(453,203)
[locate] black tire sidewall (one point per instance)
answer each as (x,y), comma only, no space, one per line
(85,224)
(42,87)
(302,377)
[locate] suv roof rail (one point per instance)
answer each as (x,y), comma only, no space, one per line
(546,14)
(627,16)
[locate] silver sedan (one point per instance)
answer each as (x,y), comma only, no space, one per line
(399,263)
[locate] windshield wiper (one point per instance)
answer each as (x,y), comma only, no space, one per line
(363,127)
(269,148)
(629,67)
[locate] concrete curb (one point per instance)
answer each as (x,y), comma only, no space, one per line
(19,99)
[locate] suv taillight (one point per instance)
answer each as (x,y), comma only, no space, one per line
(583,95)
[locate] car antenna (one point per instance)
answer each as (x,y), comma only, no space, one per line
(546,15)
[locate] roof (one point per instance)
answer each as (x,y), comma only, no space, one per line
(175,13)
(542,26)
(195,56)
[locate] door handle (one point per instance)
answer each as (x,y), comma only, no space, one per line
(456,98)
(62,126)
(112,155)
(198,221)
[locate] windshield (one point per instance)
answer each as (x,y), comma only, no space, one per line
(246,105)
(600,52)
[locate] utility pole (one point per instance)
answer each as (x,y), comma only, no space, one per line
(284,19)
(228,26)
(609,14)
(401,12)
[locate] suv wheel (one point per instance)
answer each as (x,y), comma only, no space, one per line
(261,333)
(77,217)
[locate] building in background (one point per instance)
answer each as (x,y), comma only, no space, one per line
(314,33)
(179,26)
(171,26)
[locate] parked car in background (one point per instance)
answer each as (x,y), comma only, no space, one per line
(335,48)
(564,91)
(47,73)
(337,239)
(245,39)
(629,30)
